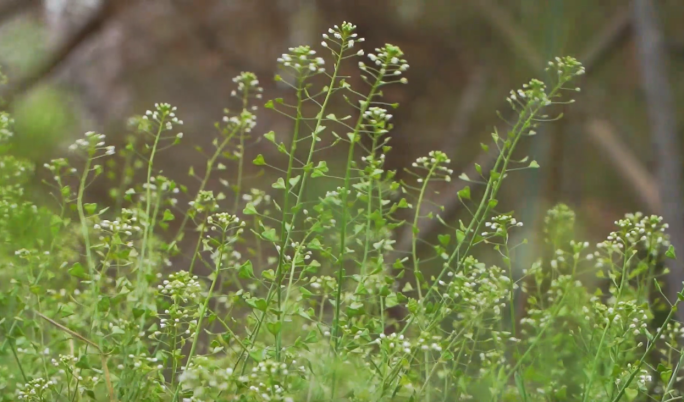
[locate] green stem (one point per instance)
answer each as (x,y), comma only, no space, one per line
(202,313)
(649,349)
(343,224)
(147,230)
(205,179)
(241,159)
(86,236)
(305,176)
(414,232)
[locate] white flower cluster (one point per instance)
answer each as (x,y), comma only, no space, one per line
(321,285)
(159,187)
(256,197)
(394,342)
(376,115)
(165,115)
(141,361)
(126,225)
(435,162)
(626,317)
(161,183)
(91,143)
(388,62)
(205,202)
(224,221)
(68,364)
(673,332)
(539,317)
(13,166)
(642,381)
(533,92)
(245,121)
(206,379)
(35,390)
(637,229)
(181,285)
(343,37)
(66,360)
(302,60)
(476,289)
(500,224)
(58,167)
(6,122)
(566,67)
(247,85)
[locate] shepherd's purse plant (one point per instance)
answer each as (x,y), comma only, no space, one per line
(291,292)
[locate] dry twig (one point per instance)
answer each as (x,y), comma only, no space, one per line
(63,51)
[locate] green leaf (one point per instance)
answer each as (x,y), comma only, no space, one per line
(495,135)
(279,184)
(246,271)
(269,104)
(257,303)
(78,271)
(521,387)
(534,165)
(259,160)
(484,147)
(270,136)
(168,216)
(631,393)
(274,327)
(464,177)
(249,209)
(104,304)
(269,274)
(444,239)
(413,306)
(293,181)
(460,236)
(320,169)
(90,208)
(492,203)
(270,235)
(464,193)
(665,372)
(391,300)
(670,253)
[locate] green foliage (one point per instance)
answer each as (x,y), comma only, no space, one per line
(284,298)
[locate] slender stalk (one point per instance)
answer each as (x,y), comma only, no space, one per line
(241,159)
(202,313)
(305,176)
(147,230)
(343,224)
(414,232)
(651,345)
(207,174)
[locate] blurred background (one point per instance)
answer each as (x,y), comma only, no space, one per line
(79,65)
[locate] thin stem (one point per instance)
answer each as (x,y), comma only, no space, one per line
(202,313)
(147,230)
(414,232)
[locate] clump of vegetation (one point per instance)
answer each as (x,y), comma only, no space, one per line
(285,297)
